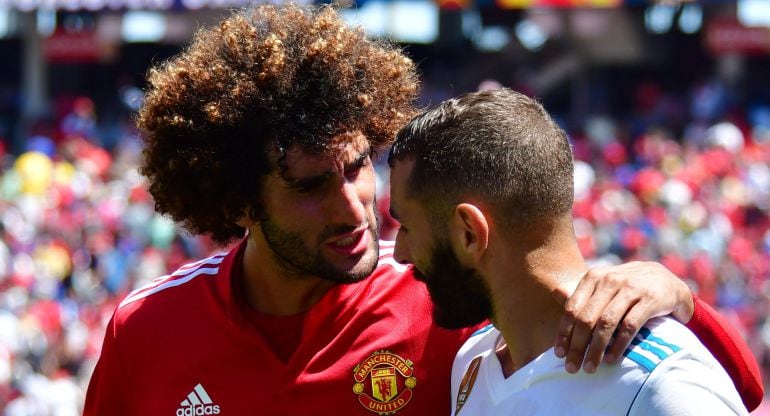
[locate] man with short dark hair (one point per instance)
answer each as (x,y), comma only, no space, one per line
(483,188)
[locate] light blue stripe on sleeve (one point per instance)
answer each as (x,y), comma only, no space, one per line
(641,360)
(482,330)
(649,337)
(657,351)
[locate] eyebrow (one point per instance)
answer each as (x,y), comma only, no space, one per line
(324,176)
(310,181)
(361,159)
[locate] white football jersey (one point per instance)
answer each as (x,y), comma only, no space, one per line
(666,371)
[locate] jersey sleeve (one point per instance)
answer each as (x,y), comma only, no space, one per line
(729,348)
(687,386)
(104,395)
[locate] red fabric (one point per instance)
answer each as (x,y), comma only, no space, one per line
(184,338)
(730,350)
(184,346)
(282,333)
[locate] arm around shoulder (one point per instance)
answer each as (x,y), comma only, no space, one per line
(729,348)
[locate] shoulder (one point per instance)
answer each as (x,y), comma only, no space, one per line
(682,377)
(389,268)
(178,291)
(386,262)
(394,283)
(187,273)
(663,339)
(481,341)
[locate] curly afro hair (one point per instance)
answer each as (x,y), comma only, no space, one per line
(266,77)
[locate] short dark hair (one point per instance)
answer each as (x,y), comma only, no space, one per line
(499,146)
(265,78)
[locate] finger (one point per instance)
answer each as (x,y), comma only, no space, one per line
(563,335)
(572,305)
(627,330)
(605,328)
(584,325)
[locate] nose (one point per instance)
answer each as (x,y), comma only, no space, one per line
(351,204)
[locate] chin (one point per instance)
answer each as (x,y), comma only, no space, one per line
(367,263)
(362,269)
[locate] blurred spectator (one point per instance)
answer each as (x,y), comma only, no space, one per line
(78,230)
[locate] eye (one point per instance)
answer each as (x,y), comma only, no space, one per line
(306,189)
(303,189)
(309,185)
(353,171)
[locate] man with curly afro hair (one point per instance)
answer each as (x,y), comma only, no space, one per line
(263,131)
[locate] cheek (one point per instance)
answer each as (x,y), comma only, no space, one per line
(305,208)
(366,185)
(419,256)
(283,208)
(422,259)
(293,213)
(401,253)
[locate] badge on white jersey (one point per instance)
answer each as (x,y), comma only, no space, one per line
(466,385)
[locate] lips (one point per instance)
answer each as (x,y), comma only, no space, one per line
(350,244)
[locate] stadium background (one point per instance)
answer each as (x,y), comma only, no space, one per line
(667,106)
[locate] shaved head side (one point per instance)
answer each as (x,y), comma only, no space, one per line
(500,147)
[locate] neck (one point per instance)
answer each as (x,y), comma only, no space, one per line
(525,309)
(270,288)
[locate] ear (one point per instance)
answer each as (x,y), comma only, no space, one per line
(245,219)
(244,222)
(469,231)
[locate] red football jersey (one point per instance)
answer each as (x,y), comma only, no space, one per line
(183,346)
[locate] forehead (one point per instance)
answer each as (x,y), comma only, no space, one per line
(400,173)
(299,162)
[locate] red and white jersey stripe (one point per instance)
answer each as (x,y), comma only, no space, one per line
(208,266)
(387,250)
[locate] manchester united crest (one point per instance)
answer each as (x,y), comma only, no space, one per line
(384,382)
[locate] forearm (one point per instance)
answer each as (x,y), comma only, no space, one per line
(729,348)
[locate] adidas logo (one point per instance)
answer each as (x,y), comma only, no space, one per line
(197,403)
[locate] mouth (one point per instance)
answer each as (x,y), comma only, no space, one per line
(350,244)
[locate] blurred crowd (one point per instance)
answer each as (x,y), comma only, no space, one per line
(78,230)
